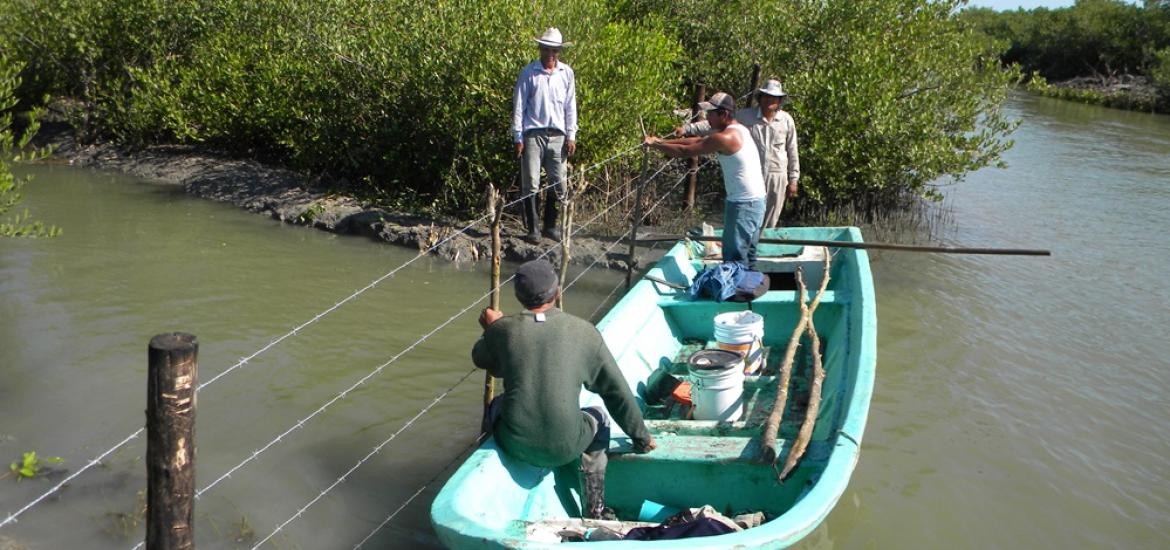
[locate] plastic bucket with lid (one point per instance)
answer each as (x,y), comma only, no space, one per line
(742,331)
(717,390)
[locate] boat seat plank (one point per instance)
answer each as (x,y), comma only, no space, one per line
(691,449)
(709,449)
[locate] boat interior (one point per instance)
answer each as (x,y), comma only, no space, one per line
(698,460)
(652,332)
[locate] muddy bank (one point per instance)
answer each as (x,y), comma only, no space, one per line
(1130,92)
(294,198)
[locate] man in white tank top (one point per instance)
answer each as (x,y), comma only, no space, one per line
(743,214)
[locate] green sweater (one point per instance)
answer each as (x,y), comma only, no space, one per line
(544,364)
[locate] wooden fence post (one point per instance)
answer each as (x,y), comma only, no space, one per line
(632,262)
(755,84)
(693,170)
(567,229)
(495,211)
(170,441)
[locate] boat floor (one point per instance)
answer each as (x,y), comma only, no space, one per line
(681,438)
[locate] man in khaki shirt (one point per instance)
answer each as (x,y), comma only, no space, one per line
(774,132)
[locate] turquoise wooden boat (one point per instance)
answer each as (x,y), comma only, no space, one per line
(494,501)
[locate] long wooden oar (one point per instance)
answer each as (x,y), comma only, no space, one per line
(868,246)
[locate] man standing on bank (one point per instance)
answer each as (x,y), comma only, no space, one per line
(774,133)
(743,213)
(544,129)
(545,356)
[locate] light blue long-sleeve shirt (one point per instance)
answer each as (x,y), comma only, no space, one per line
(545,99)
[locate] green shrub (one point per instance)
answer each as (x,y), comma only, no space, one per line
(411,101)
(887,96)
(1160,74)
(416,107)
(14,147)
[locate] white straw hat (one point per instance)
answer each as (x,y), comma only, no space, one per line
(552,39)
(773,88)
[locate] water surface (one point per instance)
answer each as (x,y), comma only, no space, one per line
(1019,401)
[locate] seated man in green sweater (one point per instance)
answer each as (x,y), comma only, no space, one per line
(545,356)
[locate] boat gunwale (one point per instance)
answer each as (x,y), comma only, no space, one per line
(812,507)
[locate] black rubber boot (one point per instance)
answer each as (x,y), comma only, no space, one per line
(528,205)
(595,507)
(550,218)
(593,464)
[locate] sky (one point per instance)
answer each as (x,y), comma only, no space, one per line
(1002,5)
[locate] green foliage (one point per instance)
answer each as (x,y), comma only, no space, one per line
(1160,73)
(1092,37)
(15,149)
(879,113)
(411,101)
(415,109)
(30,465)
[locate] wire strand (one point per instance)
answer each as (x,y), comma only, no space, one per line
(376,449)
(480,439)
(344,393)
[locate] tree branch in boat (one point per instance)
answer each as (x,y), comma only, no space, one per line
(814,399)
(768,453)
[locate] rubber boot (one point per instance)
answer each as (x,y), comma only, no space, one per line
(593,466)
(528,205)
(550,218)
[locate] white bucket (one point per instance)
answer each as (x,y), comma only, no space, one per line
(717,384)
(742,331)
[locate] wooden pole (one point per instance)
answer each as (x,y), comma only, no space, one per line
(631,262)
(768,451)
(800,445)
(567,234)
(869,246)
(693,166)
(170,441)
(495,211)
(755,84)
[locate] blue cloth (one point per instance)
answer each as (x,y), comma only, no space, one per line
(749,282)
(718,281)
(742,222)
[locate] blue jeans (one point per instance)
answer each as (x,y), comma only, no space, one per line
(742,222)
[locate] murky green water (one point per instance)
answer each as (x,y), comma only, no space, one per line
(1020,402)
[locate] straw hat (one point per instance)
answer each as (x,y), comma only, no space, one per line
(552,39)
(773,88)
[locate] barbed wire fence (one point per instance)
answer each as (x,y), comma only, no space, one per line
(300,511)
(13,517)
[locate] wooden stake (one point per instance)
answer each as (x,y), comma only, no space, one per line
(755,84)
(495,211)
(567,233)
(170,441)
(632,262)
(693,166)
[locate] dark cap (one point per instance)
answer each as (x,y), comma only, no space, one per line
(718,101)
(536,283)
